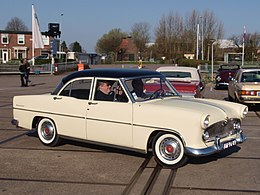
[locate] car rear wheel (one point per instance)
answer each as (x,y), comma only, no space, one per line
(47,132)
(168,150)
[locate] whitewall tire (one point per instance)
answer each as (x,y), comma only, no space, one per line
(168,150)
(47,132)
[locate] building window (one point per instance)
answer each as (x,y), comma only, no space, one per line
(20,39)
(4,39)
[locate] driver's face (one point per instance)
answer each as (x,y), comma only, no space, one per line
(105,87)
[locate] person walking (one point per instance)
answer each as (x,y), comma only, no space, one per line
(28,69)
(23,69)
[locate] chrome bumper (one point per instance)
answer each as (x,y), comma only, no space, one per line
(222,84)
(217,147)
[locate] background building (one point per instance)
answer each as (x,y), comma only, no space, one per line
(15,45)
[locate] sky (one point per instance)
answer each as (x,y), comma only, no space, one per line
(86,21)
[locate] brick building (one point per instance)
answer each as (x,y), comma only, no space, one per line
(127,50)
(15,45)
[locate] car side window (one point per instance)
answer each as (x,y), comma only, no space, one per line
(79,89)
(109,90)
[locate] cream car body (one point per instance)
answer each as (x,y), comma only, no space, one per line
(245,87)
(158,122)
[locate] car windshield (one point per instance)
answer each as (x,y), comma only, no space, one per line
(229,67)
(175,74)
(253,76)
(148,88)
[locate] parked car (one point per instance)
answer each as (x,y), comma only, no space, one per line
(245,87)
(147,121)
(186,80)
(225,73)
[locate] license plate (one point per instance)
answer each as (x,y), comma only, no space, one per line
(229,144)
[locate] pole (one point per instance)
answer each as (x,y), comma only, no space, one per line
(60,35)
(243,53)
(212,59)
(202,41)
(33,16)
(197,48)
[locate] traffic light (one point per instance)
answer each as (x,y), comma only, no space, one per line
(54,30)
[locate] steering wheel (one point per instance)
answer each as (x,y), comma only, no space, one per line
(157,93)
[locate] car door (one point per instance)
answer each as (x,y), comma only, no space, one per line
(110,122)
(70,106)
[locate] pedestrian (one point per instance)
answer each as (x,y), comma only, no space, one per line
(22,69)
(28,69)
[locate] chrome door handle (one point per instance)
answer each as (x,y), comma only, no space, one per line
(57,98)
(92,103)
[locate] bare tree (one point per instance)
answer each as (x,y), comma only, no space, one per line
(141,35)
(169,35)
(16,24)
(175,36)
(161,37)
(251,43)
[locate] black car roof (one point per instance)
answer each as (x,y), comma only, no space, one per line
(110,73)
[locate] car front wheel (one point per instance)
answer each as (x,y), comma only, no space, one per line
(47,132)
(168,150)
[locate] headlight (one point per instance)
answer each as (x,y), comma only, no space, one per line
(244,112)
(205,136)
(218,78)
(205,121)
(237,126)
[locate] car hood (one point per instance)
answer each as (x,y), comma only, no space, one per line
(165,111)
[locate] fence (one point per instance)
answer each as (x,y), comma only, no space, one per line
(39,69)
(61,67)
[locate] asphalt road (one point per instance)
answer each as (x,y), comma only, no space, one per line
(28,167)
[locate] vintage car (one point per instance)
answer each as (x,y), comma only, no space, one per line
(186,80)
(142,121)
(225,73)
(245,87)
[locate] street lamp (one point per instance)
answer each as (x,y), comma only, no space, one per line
(202,38)
(213,41)
(197,46)
(60,35)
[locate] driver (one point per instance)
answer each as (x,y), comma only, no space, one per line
(138,88)
(104,91)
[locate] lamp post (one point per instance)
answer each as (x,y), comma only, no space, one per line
(197,46)
(213,41)
(60,35)
(202,38)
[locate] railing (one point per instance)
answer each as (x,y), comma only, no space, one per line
(39,69)
(61,67)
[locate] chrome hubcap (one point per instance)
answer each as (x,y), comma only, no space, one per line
(170,149)
(47,131)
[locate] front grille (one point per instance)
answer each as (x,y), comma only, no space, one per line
(222,129)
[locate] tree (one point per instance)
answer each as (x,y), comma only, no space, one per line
(141,35)
(75,47)
(169,35)
(252,43)
(64,46)
(108,44)
(175,36)
(16,24)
